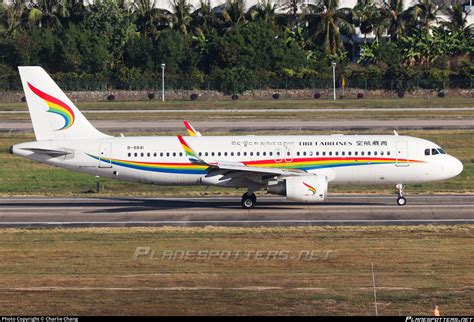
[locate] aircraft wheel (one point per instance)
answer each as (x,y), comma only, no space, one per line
(248,201)
(401,201)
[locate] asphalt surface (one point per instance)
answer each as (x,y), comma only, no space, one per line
(270,211)
(249,125)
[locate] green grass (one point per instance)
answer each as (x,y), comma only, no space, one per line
(447,102)
(92,271)
(19,176)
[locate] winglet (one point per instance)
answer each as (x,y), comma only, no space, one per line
(190,153)
(191,130)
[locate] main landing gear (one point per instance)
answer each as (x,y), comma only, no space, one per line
(401,201)
(248,200)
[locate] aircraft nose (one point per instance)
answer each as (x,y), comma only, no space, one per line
(456,166)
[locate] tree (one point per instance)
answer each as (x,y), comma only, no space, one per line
(395,18)
(233,13)
(457,21)
(425,13)
(264,10)
(181,15)
(368,18)
(12,17)
(328,23)
(149,19)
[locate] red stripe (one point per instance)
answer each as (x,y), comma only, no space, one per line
(49,98)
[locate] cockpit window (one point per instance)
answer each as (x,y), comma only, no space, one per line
(427,152)
(441,151)
(434,151)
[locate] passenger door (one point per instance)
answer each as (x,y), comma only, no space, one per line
(402,154)
(105,153)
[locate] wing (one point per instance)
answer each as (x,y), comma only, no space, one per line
(237,170)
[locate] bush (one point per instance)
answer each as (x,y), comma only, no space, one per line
(23,99)
(276,96)
(151,96)
(194,96)
(317,95)
(111,97)
(401,94)
(360,95)
(441,94)
(235,97)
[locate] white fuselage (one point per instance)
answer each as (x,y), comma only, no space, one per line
(343,159)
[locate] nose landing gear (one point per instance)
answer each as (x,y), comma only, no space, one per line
(248,200)
(401,201)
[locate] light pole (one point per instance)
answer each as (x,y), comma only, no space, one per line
(334,78)
(163,82)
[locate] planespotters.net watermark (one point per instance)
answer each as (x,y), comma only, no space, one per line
(439,319)
(145,252)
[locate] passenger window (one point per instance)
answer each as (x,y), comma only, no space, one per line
(381,152)
(356,152)
(161,154)
(298,153)
(206,154)
(225,153)
(258,154)
(154,154)
(218,154)
(317,153)
(337,153)
(238,154)
(167,154)
(324,153)
(174,154)
(361,152)
(180,154)
(264,153)
(251,154)
(232,154)
(343,153)
(212,154)
(129,154)
(375,152)
(349,153)
(148,154)
(388,152)
(434,152)
(270,153)
(135,154)
(142,154)
(427,151)
(330,153)
(368,152)
(288,153)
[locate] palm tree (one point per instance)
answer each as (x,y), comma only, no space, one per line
(148,18)
(292,7)
(264,10)
(234,13)
(12,17)
(204,18)
(182,15)
(368,18)
(425,13)
(394,18)
(328,24)
(457,21)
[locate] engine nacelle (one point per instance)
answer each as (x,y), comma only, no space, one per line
(310,188)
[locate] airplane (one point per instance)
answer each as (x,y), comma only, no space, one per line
(300,167)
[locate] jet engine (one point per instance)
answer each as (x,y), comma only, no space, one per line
(310,188)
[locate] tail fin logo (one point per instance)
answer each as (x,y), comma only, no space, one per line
(310,188)
(56,106)
(187,150)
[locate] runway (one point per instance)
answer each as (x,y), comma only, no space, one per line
(226,211)
(248,125)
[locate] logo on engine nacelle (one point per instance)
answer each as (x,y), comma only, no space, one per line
(310,189)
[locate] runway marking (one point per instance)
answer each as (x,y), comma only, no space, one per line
(303,221)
